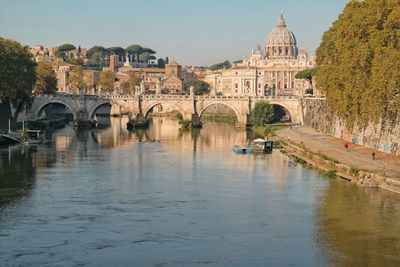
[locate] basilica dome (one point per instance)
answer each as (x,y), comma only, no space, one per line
(281,41)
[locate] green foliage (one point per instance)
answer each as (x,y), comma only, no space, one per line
(359,59)
(148,50)
(96,59)
(160,63)
(116,50)
(128,87)
(76,79)
(265,131)
(307,74)
(325,157)
(300,161)
(17,76)
(263,113)
(106,81)
(134,50)
(219,118)
(179,117)
(309,91)
(330,173)
(185,124)
(96,49)
(354,171)
(66,47)
(200,87)
(144,57)
(46,82)
(223,65)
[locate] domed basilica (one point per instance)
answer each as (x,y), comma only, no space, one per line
(266,71)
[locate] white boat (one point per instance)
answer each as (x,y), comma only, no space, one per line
(262,146)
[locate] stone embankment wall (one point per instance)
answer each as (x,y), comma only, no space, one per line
(340,170)
(317,116)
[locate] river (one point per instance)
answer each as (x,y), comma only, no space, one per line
(109,197)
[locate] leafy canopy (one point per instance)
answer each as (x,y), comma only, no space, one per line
(46,82)
(66,47)
(263,113)
(17,75)
(223,65)
(200,87)
(359,59)
(106,81)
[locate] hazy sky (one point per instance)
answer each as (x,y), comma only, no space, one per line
(194,32)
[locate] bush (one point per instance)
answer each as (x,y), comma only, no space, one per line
(354,171)
(330,173)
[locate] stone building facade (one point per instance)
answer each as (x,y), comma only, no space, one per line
(266,71)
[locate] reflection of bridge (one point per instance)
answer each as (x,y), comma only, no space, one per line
(87,106)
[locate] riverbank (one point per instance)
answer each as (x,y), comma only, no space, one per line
(329,155)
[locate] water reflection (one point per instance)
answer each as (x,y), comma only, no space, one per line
(167,197)
(360,226)
(17,172)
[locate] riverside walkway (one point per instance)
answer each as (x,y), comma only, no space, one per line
(356,155)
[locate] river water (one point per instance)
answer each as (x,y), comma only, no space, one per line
(109,197)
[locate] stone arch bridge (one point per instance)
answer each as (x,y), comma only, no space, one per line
(85,107)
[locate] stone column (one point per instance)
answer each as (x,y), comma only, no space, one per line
(191,90)
(142,88)
(158,88)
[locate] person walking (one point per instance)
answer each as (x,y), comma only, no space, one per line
(346,146)
(373,155)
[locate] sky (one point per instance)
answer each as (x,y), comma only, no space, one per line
(193,32)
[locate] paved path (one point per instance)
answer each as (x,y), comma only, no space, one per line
(355,155)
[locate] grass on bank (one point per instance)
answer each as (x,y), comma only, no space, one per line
(219,118)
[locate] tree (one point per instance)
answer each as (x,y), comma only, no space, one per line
(134,50)
(96,59)
(144,57)
(359,59)
(46,82)
(148,50)
(17,77)
(307,75)
(76,79)
(223,65)
(200,87)
(62,49)
(128,87)
(117,51)
(263,113)
(96,50)
(107,79)
(161,63)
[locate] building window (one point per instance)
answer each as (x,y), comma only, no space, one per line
(236,85)
(259,85)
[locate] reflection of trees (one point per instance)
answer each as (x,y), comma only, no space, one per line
(17,173)
(360,226)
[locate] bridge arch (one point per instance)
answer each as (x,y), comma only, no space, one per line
(41,108)
(163,104)
(220,103)
(92,113)
(290,112)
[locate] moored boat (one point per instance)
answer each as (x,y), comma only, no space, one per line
(243,149)
(261,146)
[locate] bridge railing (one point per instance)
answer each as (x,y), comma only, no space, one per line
(169,97)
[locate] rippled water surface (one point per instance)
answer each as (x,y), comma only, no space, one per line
(109,197)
